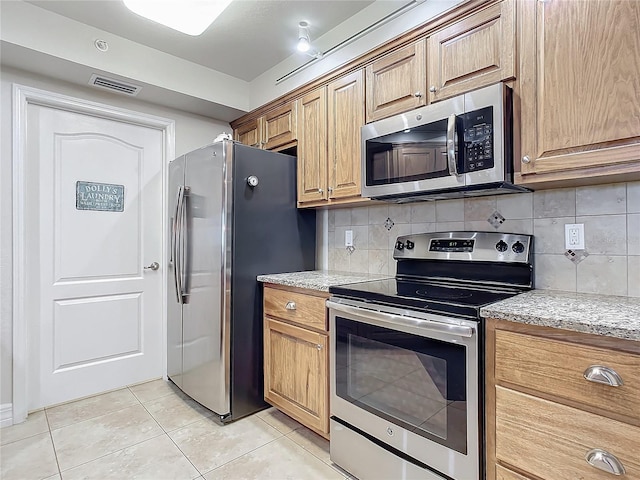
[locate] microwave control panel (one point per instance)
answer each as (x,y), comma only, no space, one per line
(477,133)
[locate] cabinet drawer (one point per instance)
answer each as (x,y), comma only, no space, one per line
(306,310)
(506,474)
(557,368)
(551,440)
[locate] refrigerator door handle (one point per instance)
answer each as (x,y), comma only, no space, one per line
(184,244)
(176,245)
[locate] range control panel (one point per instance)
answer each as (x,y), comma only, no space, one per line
(465,246)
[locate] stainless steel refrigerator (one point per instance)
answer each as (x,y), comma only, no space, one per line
(233,216)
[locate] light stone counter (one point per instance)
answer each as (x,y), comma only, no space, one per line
(597,314)
(319,280)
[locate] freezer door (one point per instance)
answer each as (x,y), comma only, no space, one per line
(174,308)
(205,340)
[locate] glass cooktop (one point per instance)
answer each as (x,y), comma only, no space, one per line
(425,296)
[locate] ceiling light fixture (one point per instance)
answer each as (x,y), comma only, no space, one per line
(304,42)
(187,16)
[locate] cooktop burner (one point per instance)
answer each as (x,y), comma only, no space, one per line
(428,297)
(452,295)
(450,273)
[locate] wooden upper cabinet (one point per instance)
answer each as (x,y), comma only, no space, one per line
(279,126)
(312,146)
(345,119)
(579,92)
(250,133)
(472,53)
(396,82)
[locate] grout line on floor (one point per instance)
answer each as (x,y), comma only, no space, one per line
(184,454)
(282,435)
(110,453)
(53,444)
(93,418)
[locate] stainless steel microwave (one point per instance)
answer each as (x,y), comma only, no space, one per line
(458,147)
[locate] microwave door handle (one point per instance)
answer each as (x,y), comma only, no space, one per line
(451,145)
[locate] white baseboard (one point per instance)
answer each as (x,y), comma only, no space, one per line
(6,415)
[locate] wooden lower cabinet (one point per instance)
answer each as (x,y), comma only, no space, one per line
(544,419)
(296,356)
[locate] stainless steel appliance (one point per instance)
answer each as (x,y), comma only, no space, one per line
(233,216)
(406,355)
(457,147)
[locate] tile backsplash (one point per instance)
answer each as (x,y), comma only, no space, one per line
(610,263)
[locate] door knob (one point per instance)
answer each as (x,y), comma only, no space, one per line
(153,266)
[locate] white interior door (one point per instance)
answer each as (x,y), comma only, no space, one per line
(93,216)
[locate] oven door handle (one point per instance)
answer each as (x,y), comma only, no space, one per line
(402,320)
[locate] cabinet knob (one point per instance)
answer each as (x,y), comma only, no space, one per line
(433,89)
(290,305)
(320,190)
(604,375)
(417,94)
(330,189)
(604,461)
(526,159)
(318,346)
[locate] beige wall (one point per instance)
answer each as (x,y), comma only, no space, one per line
(610,214)
(191,131)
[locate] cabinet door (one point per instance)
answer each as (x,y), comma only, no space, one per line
(579,83)
(296,373)
(279,126)
(396,83)
(472,53)
(312,146)
(250,133)
(345,119)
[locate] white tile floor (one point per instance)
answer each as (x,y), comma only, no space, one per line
(153,431)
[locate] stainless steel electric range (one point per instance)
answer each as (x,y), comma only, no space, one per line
(407,356)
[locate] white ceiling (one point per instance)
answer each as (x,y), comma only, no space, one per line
(245,59)
(249,37)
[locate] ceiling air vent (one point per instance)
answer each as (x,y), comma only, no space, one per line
(114,85)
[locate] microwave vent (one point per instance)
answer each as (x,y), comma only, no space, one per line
(114,85)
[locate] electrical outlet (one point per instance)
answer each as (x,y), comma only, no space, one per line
(348,238)
(574,236)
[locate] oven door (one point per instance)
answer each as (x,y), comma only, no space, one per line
(410,383)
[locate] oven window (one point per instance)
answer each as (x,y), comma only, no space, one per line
(415,154)
(414,382)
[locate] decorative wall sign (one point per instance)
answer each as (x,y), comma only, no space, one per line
(103,197)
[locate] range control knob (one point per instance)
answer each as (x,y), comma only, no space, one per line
(399,245)
(517,247)
(502,246)
(409,245)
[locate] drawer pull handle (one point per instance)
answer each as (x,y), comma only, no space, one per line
(605,461)
(290,306)
(602,374)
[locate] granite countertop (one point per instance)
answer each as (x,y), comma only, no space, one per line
(581,312)
(319,280)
